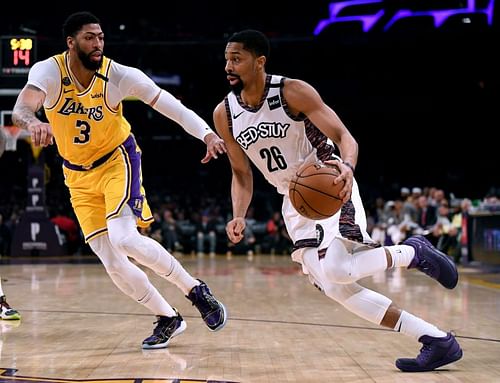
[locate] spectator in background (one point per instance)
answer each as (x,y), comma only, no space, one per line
(436,197)
(399,224)
(426,215)
(169,232)
(444,232)
(69,229)
(460,221)
(277,240)
(5,237)
(206,232)
(491,201)
(409,204)
(416,192)
(153,230)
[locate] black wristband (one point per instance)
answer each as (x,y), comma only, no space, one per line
(349,165)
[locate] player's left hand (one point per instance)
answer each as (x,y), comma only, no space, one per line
(345,175)
(235,229)
(215,146)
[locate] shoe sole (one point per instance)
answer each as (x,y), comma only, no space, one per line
(454,267)
(179,331)
(452,358)
(11,317)
(219,327)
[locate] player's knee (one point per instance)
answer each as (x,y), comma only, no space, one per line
(338,292)
(115,265)
(337,264)
(340,275)
(123,241)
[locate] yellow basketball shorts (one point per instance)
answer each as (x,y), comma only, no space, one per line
(100,193)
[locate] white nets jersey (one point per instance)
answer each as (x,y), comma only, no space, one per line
(276,142)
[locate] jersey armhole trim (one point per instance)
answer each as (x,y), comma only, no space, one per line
(108,106)
(60,87)
(228,115)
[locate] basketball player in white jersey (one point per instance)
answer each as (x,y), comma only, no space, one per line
(279,124)
(81,91)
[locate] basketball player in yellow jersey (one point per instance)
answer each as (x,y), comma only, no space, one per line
(81,91)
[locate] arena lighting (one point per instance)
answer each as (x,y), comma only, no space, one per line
(440,16)
(368,21)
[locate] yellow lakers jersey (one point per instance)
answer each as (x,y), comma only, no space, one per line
(84,125)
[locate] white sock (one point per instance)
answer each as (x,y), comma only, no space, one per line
(401,255)
(409,324)
(180,277)
(156,304)
(1,290)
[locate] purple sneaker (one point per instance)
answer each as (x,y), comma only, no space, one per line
(166,328)
(212,311)
(435,352)
(432,262)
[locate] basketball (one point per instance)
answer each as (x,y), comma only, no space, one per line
(313,193)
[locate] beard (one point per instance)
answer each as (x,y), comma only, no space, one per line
(237,88)
(87,62)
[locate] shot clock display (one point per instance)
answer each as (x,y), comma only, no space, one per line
(18,55)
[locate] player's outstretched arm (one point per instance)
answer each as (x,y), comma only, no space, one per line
(133,82)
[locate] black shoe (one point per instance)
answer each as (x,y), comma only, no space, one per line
(166,329)
(432,262)
(212,311)
(435,352)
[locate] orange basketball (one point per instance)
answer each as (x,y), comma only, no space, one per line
(313,193)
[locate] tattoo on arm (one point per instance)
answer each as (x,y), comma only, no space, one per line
(23,116)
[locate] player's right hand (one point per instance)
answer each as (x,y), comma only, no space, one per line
(345,175)
(41,134)
(215,146)
(235,229)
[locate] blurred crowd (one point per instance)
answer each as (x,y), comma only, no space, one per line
(190,224)
(443,219)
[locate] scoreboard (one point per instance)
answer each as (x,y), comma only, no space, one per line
(17,55)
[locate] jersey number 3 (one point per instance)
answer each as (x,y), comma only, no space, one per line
(274,158)
(84,134)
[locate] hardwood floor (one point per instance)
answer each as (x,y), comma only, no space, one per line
(76,325)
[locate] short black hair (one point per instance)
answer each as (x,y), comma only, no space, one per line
(253,41)
(76,21)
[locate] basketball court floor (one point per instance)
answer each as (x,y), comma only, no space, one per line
(77,326)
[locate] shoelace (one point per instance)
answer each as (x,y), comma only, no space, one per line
(425,354)
(208,302)
(159,328)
